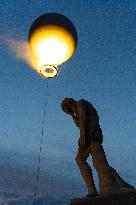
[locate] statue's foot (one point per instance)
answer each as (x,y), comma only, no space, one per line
(90,195)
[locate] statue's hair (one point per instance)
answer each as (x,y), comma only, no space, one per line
(69,100)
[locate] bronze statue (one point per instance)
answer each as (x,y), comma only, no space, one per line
(90,142)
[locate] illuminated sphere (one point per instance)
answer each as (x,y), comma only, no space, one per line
(53,40)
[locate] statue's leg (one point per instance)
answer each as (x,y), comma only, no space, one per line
(100,163)
(109,180)
(86,171)
(121,182)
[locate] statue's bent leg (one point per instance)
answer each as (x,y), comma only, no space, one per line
(86,172)
(109,179)
(121,182)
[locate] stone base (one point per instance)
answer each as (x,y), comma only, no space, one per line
(121,198)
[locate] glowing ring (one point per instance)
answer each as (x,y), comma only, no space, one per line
(49,71)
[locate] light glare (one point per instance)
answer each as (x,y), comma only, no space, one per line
(52,45)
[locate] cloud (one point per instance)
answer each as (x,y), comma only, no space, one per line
(18,181)
(41,201)
(2,202)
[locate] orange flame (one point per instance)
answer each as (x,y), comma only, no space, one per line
(22,51)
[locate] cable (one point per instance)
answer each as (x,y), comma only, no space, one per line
(41,142)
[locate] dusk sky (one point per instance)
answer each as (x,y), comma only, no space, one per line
(102,71)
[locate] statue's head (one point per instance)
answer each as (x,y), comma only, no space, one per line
(68,105)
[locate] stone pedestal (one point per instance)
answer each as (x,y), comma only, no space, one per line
(121,198)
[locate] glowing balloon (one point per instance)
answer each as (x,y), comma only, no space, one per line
(53,40)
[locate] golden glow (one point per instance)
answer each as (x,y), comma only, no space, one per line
(52,45)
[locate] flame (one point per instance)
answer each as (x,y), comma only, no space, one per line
(21,50)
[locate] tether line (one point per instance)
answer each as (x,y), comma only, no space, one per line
(41,142)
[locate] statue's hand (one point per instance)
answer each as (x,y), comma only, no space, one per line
(82,143)
(68,112)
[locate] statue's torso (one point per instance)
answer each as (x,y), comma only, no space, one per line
(93,130)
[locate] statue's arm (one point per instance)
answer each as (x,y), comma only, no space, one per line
(83,124)
(76,120)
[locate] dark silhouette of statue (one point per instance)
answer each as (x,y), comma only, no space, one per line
(90,142)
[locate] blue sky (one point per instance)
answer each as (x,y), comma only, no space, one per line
(102,71)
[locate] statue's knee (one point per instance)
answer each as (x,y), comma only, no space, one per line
(79,159)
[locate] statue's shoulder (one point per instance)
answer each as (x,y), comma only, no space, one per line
(84,102)
(87,105)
